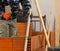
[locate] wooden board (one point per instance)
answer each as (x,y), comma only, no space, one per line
(21,27)
(6,44)
(37,38)
(57,22)
(18,44)
(11,44)
(38,42)
(52,40)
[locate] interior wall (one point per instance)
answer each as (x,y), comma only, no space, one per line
(46,6)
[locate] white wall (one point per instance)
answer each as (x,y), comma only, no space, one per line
(45,6)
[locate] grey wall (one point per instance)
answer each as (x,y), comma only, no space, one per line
(45,6)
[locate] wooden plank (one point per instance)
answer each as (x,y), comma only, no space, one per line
(52,40)
(57,22)
(6,44)
(38,43)
(21,27)
(18,44)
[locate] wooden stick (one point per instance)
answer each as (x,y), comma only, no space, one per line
(41,19)
(27,33)
(49,26)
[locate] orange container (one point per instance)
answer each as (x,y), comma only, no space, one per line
(6,16)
